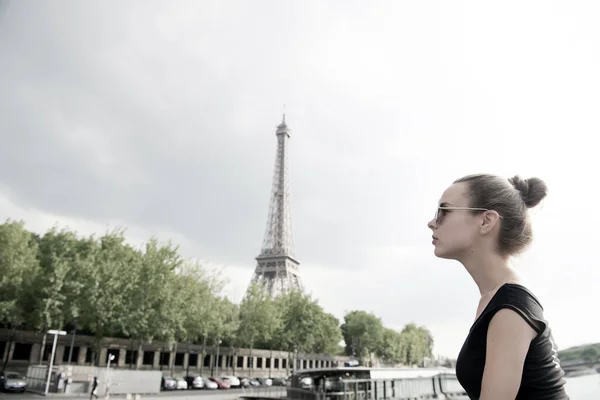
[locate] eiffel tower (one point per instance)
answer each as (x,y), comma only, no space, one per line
(277,268)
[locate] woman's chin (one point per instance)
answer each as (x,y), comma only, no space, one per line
(439,252)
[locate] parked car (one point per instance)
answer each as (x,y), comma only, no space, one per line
(209,384)
(168,383)
(245,382)
(279,381)
(12,382)
(194,382)
(221,383)
(254,382)
(181,384)
(232,380)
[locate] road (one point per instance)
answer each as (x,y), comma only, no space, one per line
(229,394)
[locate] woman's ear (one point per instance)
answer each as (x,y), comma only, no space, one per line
(489,221)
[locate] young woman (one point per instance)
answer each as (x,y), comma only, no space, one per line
(509,352)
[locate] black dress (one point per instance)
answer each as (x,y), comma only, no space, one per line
(543,378)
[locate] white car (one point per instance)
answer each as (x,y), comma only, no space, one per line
(11,381)
(181,384)
(266,381)
(233,381)
(208,384)
(195,382)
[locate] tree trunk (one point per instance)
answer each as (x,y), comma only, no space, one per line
(203,355)
(132,348)
(97,340)
(140,355)
(43,348)
(234,364)
(230,357)
(174,351)
(187,370)
(7,349)
(251,361)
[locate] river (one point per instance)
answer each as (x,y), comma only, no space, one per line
(584,387)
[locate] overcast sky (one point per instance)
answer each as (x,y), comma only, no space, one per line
(161,116)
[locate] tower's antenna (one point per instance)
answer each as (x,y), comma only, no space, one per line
(284,113)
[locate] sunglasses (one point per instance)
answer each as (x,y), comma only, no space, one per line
(441,212)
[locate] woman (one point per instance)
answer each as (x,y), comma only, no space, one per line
(509,352)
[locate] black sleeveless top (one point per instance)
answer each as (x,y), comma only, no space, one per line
(543,378)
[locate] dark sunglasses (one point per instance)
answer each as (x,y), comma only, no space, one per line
(441,212)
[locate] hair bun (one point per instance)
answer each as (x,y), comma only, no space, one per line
(532,190)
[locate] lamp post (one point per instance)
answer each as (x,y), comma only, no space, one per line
(217,359)
(296,366)
(271,361)
(51,363)
(110,358)
(72,340)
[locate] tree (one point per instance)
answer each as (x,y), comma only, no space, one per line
(363,333)
(149,308)
(328,335)
(259,318)
(56,293)
(200,314)
(590,355)
(226,323)
(299,322)
(392,347)
(305,326)
(108,287)
(18,268)
(418,344)
(203,320)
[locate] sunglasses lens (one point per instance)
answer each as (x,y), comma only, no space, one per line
(439,216)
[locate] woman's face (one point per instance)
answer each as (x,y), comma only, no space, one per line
(455,231)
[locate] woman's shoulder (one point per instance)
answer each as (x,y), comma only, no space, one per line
(517,292)
(519,298)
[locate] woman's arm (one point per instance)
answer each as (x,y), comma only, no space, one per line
(508,340)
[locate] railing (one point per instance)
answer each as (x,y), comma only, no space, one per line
(37,376)
(450,386)
(439,386)
(281,392)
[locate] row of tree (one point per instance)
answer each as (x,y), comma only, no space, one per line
(102,286)
(365,336)
(588,352)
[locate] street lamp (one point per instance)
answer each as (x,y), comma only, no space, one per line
(110,358)
(55,333)
(217,359)
(296,366)
(72,340)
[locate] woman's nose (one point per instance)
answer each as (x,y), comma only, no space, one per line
(431,224)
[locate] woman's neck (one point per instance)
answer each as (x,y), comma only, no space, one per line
(489,271)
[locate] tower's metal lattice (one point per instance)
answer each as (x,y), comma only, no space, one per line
(276,268)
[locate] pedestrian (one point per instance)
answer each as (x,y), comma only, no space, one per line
(509,353)
(94,388)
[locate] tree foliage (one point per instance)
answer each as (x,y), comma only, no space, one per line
(18,268)
(103,286)
(305,327)
(587,352)
(365,336)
